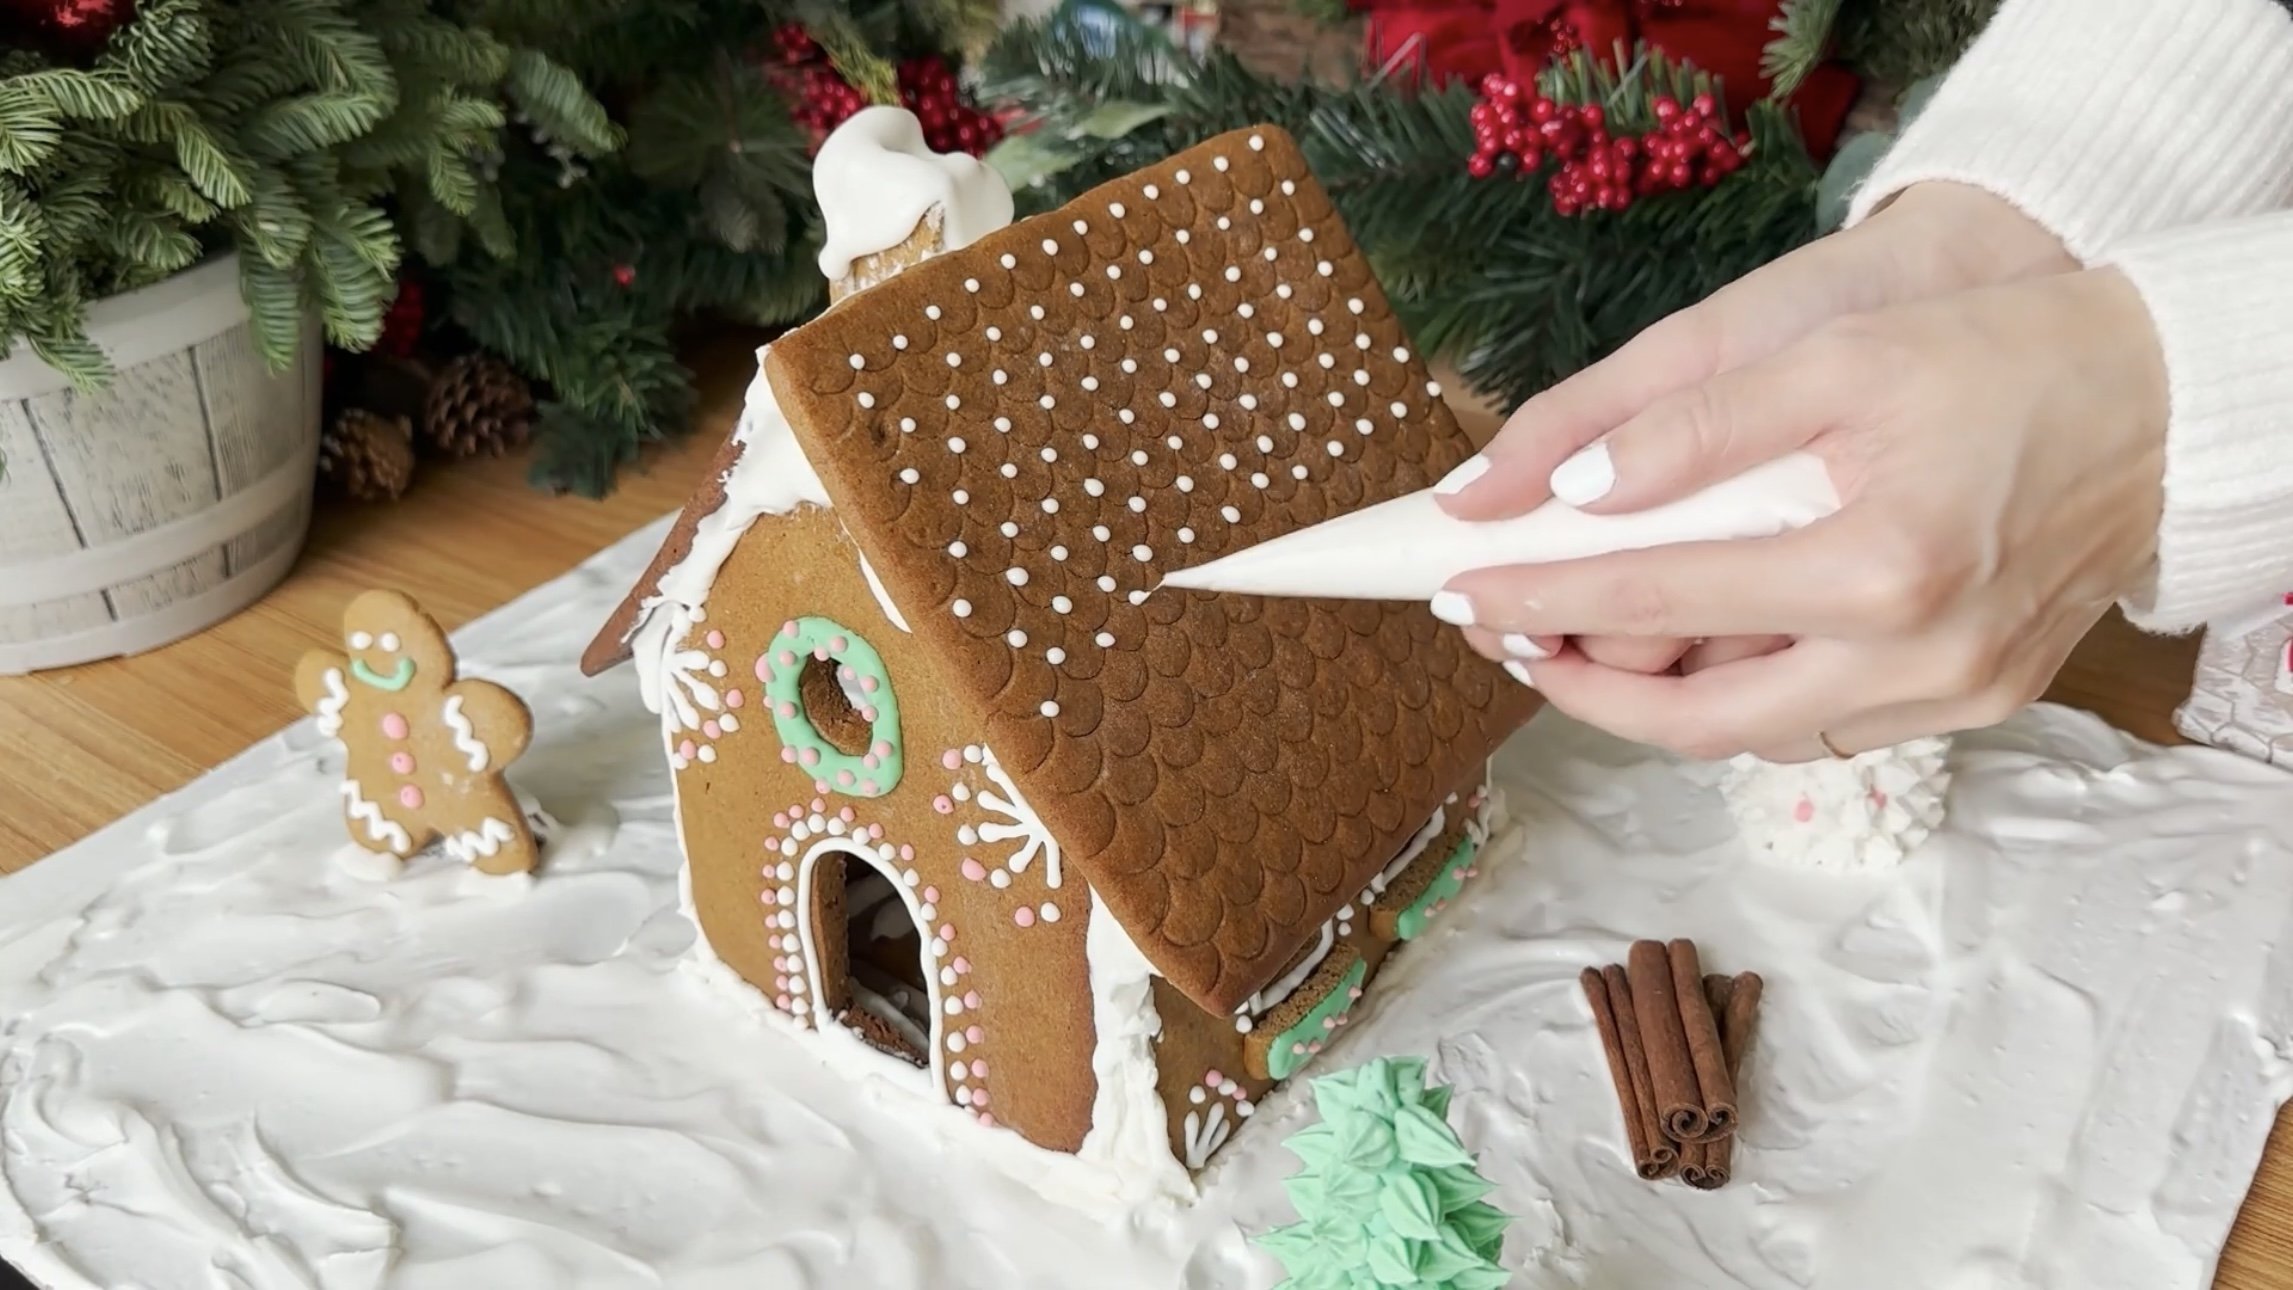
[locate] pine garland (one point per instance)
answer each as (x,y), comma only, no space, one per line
(1535,297)
(1803,42)
(1902,42)
(279,128)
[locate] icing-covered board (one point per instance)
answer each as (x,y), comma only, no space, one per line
(236,1049)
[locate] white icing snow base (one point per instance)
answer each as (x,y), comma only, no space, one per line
(236,1051)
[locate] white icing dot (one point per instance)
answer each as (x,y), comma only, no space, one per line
(1047,402)
(867,400)
(1116,209)
(1114,272)
(907,425)
(1257,143)
(958,549)
(1089,342)
(1433,389)
(1138,457)
(1050,708)
(971,285)
(1224,223)
(1185,534)
(955,445)
(1001,376)
(954,1006)
(1058,552)
(1231,514)
(1017,638)
(932,312)
(1050,506)
(1337,448)
(1125,415)
(1249,403)
(1183,177)
(961,608)
(1400,355)
(1289,188)
(1246,309)
(1325,268)
(899,342)
(1297,420)
(1233,273)
(1101,532)
(1094,487)
(1226,460)
(1329,362)
(955,360)
(1002,424)
(1050,246)
(1137,597)
(1106,582)
(1305,235)
(1160,304)
(1209,336)
(1298,471)
(1152,192)
(1008,528)
(1337,399)
(1146,255)
(1167,399)
(1175,443)
(1241,364)
(1075,289)
(1035,312)
(1142,553)
(1054,656)
(1363,424)
(1257,206)
(962,497)
(909,476)
(1137,504)
(1081,227)
(1104,640)
(1009,261)
(1124,322)
(1270,253)
(1258,479)
(1354,305)
(1361,378)
(1007,470)
(1210,421)
(1265,443)
(1060,605)
(1218,163)
(1184,237)
(1091,441)
(994,333)
(954,1037)
(1400,409)
(954,402)
(858,363)
(1050,454)
(1314,327)
(1186,483)
(1130,366)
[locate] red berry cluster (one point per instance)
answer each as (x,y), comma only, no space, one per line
(825,100)
(1515,129)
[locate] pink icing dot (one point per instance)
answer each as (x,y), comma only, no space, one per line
(875,830)
(845,815)
(1329,1023)
(947,931)
(973,869)
(883,748)
(686,750)
(716,640)
(809,756)
(788,658)
(950,760)
(780,983)
(393,725)
(844,777)
(868,684)
(867,714)
(837,644)
(960,963)
(1212,1079)
(986,1119)
(1314,1047)
(787,708)
(820,803)
(783,1004)
(820,652)
(1354,992)
(931,894)
(788,628)
(769,896)
(979,1097)
(1879,798)
(734,698)
(971,999)
(943,805)
(780,819)
(788,755)
(1023,916)
(763,667)
(1803,812)
(979,1068)
(868,786)
(410,797)
(402,762)
(871,761)
(712,730)
(821,786)
(975,1035)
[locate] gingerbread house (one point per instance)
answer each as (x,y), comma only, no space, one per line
(1092,860)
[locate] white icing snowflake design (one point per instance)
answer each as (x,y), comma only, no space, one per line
(1208,1125)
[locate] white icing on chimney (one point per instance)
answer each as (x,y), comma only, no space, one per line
(876,180)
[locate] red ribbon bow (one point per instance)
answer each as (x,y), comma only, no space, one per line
(1468,39)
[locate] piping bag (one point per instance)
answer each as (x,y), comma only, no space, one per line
(1409,548)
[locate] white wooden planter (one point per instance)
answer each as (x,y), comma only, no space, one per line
(167,502)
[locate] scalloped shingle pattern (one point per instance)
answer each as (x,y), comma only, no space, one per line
(1023,436)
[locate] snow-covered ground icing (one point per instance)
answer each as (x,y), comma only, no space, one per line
(239,1053)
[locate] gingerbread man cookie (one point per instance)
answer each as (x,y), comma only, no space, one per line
(426,752)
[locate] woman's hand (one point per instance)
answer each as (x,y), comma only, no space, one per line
(1933,239)
(2000,454)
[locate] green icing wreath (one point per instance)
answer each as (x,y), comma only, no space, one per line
(861,673)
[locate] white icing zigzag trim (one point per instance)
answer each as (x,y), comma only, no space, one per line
(484,840)
(466,736)
(330,707)
(370,815)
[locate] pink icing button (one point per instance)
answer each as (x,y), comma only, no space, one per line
(712,730)
(979,1068)
(1023,916)
(973,869)
(821,786)
(931,894)
(870,761)
(950,760)
(971,999)
(947,931)
(868,786)
(780,819)
(788,628)
(820,803)
(788,708)
(1354,993)
(979,1097)
(734,699)
(763,667)
(1329,1023)
(410,797)
(845,673)
(837,644)
(393,725)
(788,658)
(780,983)
(845,815)
(975,1035)
(402,762)
(962,964)
(1803,812)
(844,777)
(716,640)
(687,749)
(875,830)
(783,1004)
(788,755)
(867,714)
(820,653)
(809,756)
(907,852)
(868,684)
(986,1119)
(943,805)
(1212,1079)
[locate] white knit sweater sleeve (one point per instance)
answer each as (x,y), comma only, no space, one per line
(2152,135)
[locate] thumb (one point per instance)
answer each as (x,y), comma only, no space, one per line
(1710,432)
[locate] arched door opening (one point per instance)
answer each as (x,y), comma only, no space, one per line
(869,961)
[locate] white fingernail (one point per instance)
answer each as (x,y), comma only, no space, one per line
(1519,671)
(1457,480)
(1453,608)
(1520,646)
(1585,478)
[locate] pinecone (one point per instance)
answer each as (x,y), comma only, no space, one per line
(478,403)
(370,457)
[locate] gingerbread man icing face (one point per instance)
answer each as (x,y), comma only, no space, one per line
(425,750)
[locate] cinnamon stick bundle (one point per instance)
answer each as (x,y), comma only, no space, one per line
(1736,1001)
(1653,1156)
(1701,1025)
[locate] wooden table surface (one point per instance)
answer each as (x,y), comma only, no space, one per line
(82,747)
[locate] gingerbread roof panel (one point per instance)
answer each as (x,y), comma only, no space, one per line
(1024,436)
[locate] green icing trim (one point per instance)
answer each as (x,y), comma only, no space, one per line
(398,679)
(781,668)
(1411,922)
(1297,1045)
(1387,1195)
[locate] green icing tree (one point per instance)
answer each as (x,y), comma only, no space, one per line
(1388,1196)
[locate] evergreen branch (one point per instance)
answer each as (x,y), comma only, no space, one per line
(1803,41)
